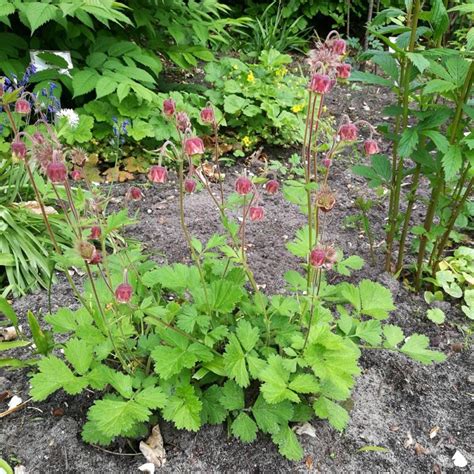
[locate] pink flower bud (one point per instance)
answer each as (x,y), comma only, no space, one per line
(207,115)
(76,175)
(272,186)
(327,162)
(256,213)
(182,121)
(243,185)
(96,258)
(317,257)
(38,138)
(18,148)
(339,46)
(344,71)
(193,146)
(371,147)
(22,106)
(348,132)
(320,83)
(158,174)
(123,293)
(96,232)
(189,185)
(169,107)
(56,172)
(134,194)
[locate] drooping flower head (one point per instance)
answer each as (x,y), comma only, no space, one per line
(348,132)
(317,257)
(323,256)
(169,107)
(272,186)
(207,115)
(344,71)
(158,174)
(96,232)
(123,293)
(56,172)
(327,162)
(76,175)
(193,146)
(320,83)
(189,185)
(243,185)
(86,250)
(371,147)
(22,106)
(134,194)
(96,258)
(338,45)
(18,147)
(256,213)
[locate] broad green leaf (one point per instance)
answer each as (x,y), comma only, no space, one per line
(436,315)
(370,331)
(416,348)
(408,142)
(7,345)
(38,13)
(334,413)
(419,61)
(234,359)
(212,410)
(369,78)
(304,383)
(271,417)
(171,361)
(438,85)
(247,334)
(80,354)
(8,311)
(288,444)
(151,397)
(244,428)
(232,396)
(84,81)
(275,378)
(452,162)
(393,335)
(376,300)
(184,408)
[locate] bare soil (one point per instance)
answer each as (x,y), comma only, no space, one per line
(396,402)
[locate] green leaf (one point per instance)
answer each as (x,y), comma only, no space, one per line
(114,417)
(452,162)
(458,69)
(275,378)
(393,335)
(271,417)
(151,397)
(419,61)
(438,85)
(121,382)
(105,86)
(43,339)
(247,334)
(91,434)
(369,78)
(305,383)
(232,396)
(54,374)
(234,103)
(171,361)
(436,315)
(235,363)
(370,331)
(212,410)
(244,428)
(416,348)
(8,311)
(408,142)
(334,413)
(84,81)
(376,300)
(80,354)
(354,262)
(224,295)
(38,13)
(440,141)
(7,345)
(184,408)
(189,318)
(288,444)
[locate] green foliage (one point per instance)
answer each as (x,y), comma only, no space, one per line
(262,100)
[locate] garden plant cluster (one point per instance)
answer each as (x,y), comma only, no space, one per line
(203,343)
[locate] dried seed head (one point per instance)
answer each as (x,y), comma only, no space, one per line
(193,146)
(134,194)
(78,156)
(243,185)
(256,213)
(123,293)
(56,172)
(169,107)
(85,249)
(189,185)
(348,132)
(22,106)
(38,138)
(325,199)
(272,186)
(158,174)
(371,147)
(182,121)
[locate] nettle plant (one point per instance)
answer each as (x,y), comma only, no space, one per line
(202,344)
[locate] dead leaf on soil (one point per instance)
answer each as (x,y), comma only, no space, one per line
(8,334)
(409,441)
(419,449)
(4,395)
(306,429)
(115,174)
(35,208)
(309,462)
(14,402)
(459,459)
(153,449)
(135,165)
(434,432)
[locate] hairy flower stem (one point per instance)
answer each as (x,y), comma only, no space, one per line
(216,159)
(397,162)
(316,277)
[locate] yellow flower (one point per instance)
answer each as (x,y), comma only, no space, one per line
(297,108)
(250,77)
(246,141)
(281,72)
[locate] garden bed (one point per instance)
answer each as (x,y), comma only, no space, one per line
(395,406)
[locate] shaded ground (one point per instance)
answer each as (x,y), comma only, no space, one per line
(395,399)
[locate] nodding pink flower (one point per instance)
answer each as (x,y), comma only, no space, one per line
(18,148)
(256,213)
(317,257)
(169,107)
(96,258)
(134,193)
(339,46)
(348,132)
(22,106)
(207,115)
(38,138)
(56,172)
(182,121)
(158,174)
(327,162)
(123,293)
(96,232)
(189,185)
(193,146)
(371,147)
(76,175)
(320,83)
(243,185)
(344,71)
(272,186)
